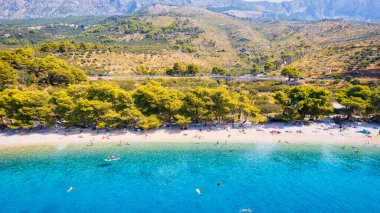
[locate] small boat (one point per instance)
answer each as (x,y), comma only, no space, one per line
(198,191)
(112,158)
(70,189)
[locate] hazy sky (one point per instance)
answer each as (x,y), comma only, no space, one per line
(268,0)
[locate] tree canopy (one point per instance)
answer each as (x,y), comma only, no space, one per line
(290,72)
(103,104)
(22,65)
(26,108)
(8,75)
(299,102)
(376,100)
(181,69)
(218,71)
(356,99)
(269,66)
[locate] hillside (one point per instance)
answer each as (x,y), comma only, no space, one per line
(158,36)
(328,46)
(161,35)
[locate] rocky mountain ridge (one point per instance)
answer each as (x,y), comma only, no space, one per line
(361,10)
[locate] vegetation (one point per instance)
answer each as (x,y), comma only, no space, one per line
(356,99)
(118,25)
(157,38)
(8,75)
(104,105)
(69,46)
(22,64)
(43,67)
(142,70)
(180,69)
(290,72)
(299,102)
(376,101)
(218,71)
(363,58)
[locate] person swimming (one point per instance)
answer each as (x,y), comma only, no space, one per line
(70,189)
(245,210)
(198,191)
(219,184)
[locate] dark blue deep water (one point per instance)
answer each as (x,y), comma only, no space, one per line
(163,178)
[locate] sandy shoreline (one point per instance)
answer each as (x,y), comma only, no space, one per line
(315,134)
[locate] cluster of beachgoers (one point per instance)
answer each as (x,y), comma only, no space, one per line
(294,132)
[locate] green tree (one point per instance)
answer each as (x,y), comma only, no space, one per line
(63,104)
(223,103)
(170,71)
(208,104)
(255,69)
(149,122)
(88,113)
(269,66)
(218,71)
(246,109)
(152,98)
(198,104)
(8,75)
(108,92)
(65,46)
(110,120)
(301,101)
(25,109)
(376,100)
(356,99)
(179,68)
(142,70)
(290,72)
(60,72)
(18,58)
(48,70)
(182,120)
(192,69)
(122,110)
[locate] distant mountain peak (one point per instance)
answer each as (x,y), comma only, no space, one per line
(364,10)
(360,10)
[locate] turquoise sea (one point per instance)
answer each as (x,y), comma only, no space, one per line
(164,178)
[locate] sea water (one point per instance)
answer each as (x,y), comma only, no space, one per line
(164,178)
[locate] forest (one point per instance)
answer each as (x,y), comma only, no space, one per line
(44,91)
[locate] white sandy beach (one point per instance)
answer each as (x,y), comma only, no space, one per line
(284,133)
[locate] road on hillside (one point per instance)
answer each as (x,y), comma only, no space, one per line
(227,78)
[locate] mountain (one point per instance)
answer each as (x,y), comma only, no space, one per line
(363,10)
(26,9)
(358,10)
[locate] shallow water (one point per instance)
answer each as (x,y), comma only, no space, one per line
(163,178)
